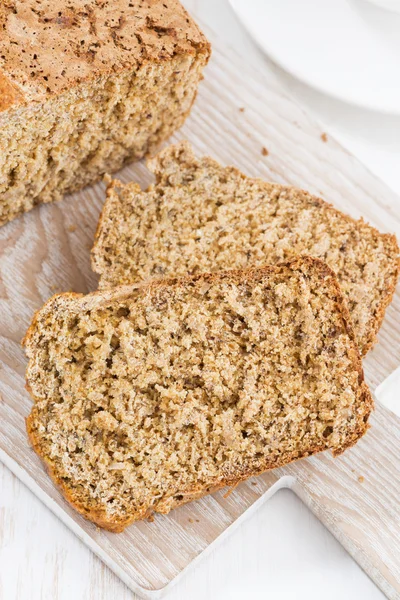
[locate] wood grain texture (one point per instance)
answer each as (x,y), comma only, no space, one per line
(48,250)
(41,559)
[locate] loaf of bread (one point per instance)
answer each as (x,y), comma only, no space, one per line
(202,217)
(86,87)
(150,395)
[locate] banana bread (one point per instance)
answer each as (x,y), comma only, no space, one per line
(201,216)
(150,395)
(86,87)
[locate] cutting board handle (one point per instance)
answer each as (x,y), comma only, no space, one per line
(357,497)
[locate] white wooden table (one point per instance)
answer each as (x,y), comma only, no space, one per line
(282,551)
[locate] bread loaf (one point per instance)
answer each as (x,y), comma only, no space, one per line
(86,87)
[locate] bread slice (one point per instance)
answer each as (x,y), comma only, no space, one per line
(149,395)
(86,87)
(201,216)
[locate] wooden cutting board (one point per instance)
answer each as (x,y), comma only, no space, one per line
(237,114)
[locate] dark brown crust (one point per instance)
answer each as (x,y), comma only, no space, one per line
(98,516)
(104,52)
(9,94)
(390,241)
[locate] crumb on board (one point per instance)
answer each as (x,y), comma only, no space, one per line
(254,483)
(241,109)
(324,137)
(71,228)
(230,490)
(197,520)
(361,479)
(264,151)
(191,520)
(150,518)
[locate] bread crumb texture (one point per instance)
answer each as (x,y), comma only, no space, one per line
(87,87)
(148,396)
(203,217)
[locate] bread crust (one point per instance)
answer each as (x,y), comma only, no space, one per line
(117,35)
(98,515)
(10,95)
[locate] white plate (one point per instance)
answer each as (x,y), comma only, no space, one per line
(349,49)
(388,4)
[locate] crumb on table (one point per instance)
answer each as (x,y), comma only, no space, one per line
(264,151)
(361,479)
(324,137)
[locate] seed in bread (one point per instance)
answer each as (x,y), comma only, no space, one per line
(150,395)
(86,87)
(202,217)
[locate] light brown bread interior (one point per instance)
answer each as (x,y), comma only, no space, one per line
(86,88)
(202,217)
(147,396)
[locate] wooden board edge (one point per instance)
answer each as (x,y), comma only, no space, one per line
(58,510)
(285,481)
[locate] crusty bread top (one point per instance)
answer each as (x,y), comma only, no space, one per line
(149,394)
(49,46)
(202,217)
